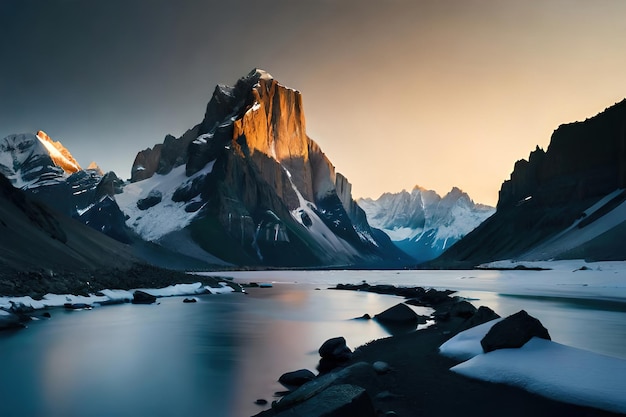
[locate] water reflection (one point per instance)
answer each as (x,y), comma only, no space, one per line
(216,356)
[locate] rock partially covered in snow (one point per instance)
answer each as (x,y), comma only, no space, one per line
(142,297)
(513,332)
(9,320)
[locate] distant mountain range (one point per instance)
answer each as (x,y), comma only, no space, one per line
(567,202)
(247,187)
(422,223)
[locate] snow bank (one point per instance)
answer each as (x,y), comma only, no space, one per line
(543,367)
(466,345)
(109,296)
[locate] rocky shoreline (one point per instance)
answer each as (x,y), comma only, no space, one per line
(405,375)
(109,288)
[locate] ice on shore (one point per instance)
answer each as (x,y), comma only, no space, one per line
(108,296)
(543,367)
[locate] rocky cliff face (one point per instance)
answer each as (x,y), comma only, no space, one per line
(257,189)
(552,191)
(584,160)
(422,223)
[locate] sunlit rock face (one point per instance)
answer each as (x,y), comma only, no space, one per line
(550,197)
(272,195)
(59,154)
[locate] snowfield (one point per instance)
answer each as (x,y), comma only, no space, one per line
(165,217)
(543,367)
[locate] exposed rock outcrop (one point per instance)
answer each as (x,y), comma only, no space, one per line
(513,332)
(553,191)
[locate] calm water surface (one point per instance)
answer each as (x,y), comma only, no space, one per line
(215,357)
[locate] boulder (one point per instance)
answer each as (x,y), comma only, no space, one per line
(296,378)
(400,313)
(381,367)
(190,300)
(152,199)
(482,315)
(334,353)
(142,297)
(335,349)
(462,309)
(335,401)
(513,332)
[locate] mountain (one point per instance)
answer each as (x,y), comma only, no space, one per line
(422,223)
(47,172)
(247,186)
(563,203)
(40,244)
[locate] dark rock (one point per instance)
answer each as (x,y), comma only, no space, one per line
(142,297)
(335,401)
(381,367)
(146,163)
(435,297)
(9,320)
(190,300)
(77,306)
(400,313)
(513,332)
(335,349)
(482,315)
(189,189)
(296,378)
(153,198)
(194,206)
(364,317)
(462,309)
(261,401)
(109,185)
(106,217)
(334,353)
(46,315)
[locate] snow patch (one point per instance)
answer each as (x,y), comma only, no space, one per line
(318,229)
(108,296)
(543,367)
(165,217)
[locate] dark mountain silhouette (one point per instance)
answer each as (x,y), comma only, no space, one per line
(564,203)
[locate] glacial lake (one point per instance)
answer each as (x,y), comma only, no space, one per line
(217,356)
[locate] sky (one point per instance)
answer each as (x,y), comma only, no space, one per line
(397,93)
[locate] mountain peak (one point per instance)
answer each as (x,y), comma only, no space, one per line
(58,153)
(260,74)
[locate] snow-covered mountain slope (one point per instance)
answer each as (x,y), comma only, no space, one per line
(596,233)
(46,170)
(248,186)
(421,222)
